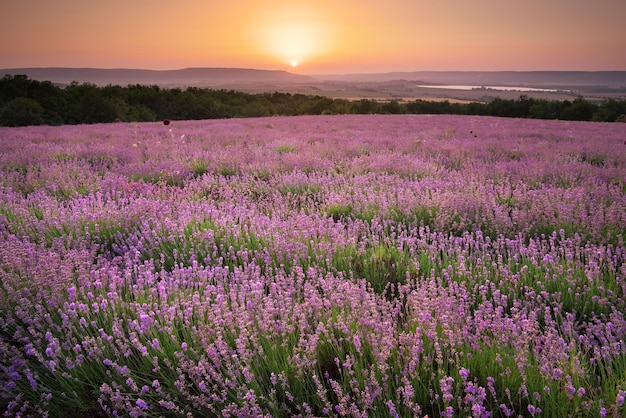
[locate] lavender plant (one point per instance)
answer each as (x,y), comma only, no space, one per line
(314,266)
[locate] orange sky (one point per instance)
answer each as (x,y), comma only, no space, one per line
(322,36)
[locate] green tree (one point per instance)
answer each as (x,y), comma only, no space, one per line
(392,107)
(579,109)
(13,86)
(318,105)
(255,109)
(544,109)
(365,107)
(94,108)
(21,111)
(609,111)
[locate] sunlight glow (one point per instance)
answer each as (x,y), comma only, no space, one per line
(293,35)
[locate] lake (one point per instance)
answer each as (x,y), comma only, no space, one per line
(500,88)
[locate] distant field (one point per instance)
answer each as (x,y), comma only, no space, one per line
(314,266)
(408,91)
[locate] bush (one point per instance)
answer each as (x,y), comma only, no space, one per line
(22,111)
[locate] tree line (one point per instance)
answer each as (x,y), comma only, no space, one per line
(31,102)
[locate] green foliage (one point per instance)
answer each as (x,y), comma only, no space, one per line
(579,109)
(199,167)
(206,242)
(21,111)
(393,107)
(381,265)
(423,216)
(339,212)
(285,149)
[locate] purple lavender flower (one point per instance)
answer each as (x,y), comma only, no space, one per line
(141,403)
(258,249)
(533,410)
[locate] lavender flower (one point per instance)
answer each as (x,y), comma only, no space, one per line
(313,266)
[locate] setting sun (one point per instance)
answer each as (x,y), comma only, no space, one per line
(293,34)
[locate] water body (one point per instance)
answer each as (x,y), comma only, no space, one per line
(500,88)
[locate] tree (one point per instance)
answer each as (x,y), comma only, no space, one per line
(392,107)
(21,111)
(544,109)
(365,106)
(256,109)
(609,111)
(97,109)
(13,86)
(579,109)
(318,105)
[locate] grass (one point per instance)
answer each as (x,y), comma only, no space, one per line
(382,266)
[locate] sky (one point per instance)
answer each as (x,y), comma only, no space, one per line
(316,36)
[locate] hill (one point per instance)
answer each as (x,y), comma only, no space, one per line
(198,77)
(540,79)
(211,77)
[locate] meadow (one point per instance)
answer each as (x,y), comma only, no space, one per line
(363,266)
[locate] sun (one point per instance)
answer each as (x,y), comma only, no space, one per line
(292,35)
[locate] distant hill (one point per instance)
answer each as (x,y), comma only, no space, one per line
(593,85)
(544,79)
(200,77)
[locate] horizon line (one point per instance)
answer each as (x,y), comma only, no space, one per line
(365,72)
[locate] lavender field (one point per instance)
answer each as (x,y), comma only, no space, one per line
(363,266)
